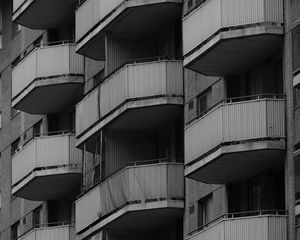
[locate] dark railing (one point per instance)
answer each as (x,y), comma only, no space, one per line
(240,215)
(234,100)
(127,165)
(193,6)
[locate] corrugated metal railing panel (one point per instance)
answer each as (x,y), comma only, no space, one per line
(87,111)
(137,183)
(53,233)
(203,135)
(132,81)
(75,153)
(46,62)
(234,122)
(24,73)
(17,4)
(91,12)
(202,23)
(26,155)
(268,227)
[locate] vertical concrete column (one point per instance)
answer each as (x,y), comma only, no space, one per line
(288,89)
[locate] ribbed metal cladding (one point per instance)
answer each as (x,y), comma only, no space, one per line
(132,81)
(45,152)
(17,4)
(136,183)
(91,12)
(50,233)
(231,122)
(269,227)
(46,62)
(213,15)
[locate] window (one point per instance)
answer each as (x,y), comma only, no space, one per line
(37,216)
(205,210)
(296,97)
(191,105)
(37,128)
(203,101)
(15,230)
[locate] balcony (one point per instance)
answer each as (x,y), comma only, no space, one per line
(128,18)
(43,14)
(223,37)
(48,79)
(236,140)
(47,162)
(139,92)
(260,227)
(55,232)
(140,197)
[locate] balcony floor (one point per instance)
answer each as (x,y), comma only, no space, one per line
(63,182)
(144,216)
(49,95)
(234,163)
(134,19)
(45,14)
(140,115)
(235,51)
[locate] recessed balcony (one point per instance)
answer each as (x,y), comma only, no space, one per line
(140,196)
(136,18)
(223,37)
(47,162)
(263,226)
(132,98)
(236,140)
(47,80)
(43,14)
(50,232)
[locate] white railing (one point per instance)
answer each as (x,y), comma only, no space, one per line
(132,81)
(17,4)
(231,122)
(264,227)
(91,12)
(133,183)
(63,232)
(44,62)
(214,15)
(43,152)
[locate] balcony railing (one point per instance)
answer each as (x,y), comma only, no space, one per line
(133,184)
(51,231)
(261,118)
(46,62)
(263,225)
(131,82)
(45,152)
(211,16)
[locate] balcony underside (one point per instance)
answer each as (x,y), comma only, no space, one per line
(237,162)
(49,184)
(141,216)
(139,115)
(50,95)
(235,51)
(134,19)
(45,14)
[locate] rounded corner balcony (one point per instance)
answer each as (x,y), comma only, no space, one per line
(47,168)
(223,37)
(43,14)
(131,98)
(48,79)
(260,225)
(141,196)
(236,139)
(51,231)
(120,17)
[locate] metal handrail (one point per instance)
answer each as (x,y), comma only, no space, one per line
(235,100)
(237,215)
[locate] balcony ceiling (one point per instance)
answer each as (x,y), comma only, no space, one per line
(237,162)
(133,22)
(233,55)
(45,14)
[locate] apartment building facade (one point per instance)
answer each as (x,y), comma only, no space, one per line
(149,119)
